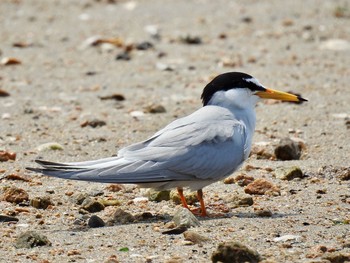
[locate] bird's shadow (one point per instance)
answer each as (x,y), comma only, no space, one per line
(149,218)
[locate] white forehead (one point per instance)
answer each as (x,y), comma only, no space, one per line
(255,81)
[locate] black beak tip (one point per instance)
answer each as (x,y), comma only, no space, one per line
(302,99)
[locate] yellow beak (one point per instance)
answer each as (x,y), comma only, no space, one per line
(279,95)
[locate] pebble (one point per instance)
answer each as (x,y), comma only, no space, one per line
(122,217)
(93,123)
(184,217)
(191,40)
(80,197)
(5,218)
(287,149)
(15,195)
(191,197)
(237,199)
(95,221)
(6,156)
(4,93)
(288,173)
(41,202)
(229,180)
(263,212)
(155,108)
(115,96)
(115,187)
(158,196)
(194,237)
(175,231)
(137,114)
(31,239)
(261,187)
(153,30)
(344,174)
(123,56)
(337,257)
(164,67)
(110,202)
(8,61)
(261,151)
(93,206)
(243,179)
(335,44)
(17,177)
(234,252)
(50,146)
(287,238)
(144,45)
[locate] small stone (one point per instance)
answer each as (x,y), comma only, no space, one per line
(261,187)
(191,198)
(288,173)
(195,237)
(7,61)
(155,108)
(229,180)
(123,56)
(41,202)
(17,177)
(344,174)
(110,202)
(247,19)
(6,156)
(95,221)
(335,44)
(287,149)
(5,218)
(80,197)
(243,179)
(144,216)
(288,22)
(164,67)
(184,217)
(115,96)
(73,252)
(144,45)
(158,196)
(262,151)
(137,113)
(234,252)
(337,257)
(15,195)
(122,217)
(112,259)
(31,239)
(235,200)
(287,238)
(4,93)
(50,146)
(191,40)
(263,212)
(115,187)
(93,206)
(93,123)
(175,231)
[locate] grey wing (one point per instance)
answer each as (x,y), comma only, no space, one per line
(203,151)
(196,147)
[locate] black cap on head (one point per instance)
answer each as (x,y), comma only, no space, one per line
(227,81)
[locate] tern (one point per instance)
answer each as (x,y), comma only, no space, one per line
(191,152)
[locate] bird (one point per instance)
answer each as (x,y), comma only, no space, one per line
(191,152)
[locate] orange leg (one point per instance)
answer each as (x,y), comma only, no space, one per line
(201,201)
(182,197)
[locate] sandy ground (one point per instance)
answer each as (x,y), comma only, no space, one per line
(299,46)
